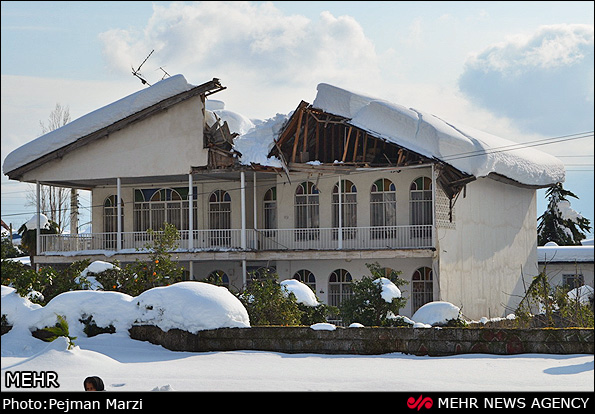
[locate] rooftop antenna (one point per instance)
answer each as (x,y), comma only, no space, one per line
(137,71)
(164,73)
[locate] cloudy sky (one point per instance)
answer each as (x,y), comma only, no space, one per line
(520,70)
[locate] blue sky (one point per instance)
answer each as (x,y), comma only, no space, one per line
(520,70)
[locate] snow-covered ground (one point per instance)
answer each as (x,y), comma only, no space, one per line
(129,365)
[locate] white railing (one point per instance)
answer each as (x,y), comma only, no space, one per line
(354,238)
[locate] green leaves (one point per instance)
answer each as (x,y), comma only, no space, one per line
(58,330)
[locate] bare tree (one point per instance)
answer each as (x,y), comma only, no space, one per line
(55,202)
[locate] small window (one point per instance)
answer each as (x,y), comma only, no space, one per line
(573,280)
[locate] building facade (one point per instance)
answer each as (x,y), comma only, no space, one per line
(336,195)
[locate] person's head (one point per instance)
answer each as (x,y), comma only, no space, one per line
(93,384)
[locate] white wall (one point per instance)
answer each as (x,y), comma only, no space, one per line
(169,142)
(495,242)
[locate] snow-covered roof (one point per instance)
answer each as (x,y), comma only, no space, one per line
(95,121)
(552,253)
(466,149)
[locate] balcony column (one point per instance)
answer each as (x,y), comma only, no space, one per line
(190,215)
(37,222)
(433,206)
(119,209)
(243,200)
(255,218)
(340,238)
(190,225)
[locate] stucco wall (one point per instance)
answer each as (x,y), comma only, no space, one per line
(495,242)
(169,142)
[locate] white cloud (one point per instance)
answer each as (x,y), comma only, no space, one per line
(544,81)
(257,43)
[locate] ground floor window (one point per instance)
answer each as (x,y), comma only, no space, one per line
(219,278)
(339,287)
(307,277)
(573,280)
(422,287)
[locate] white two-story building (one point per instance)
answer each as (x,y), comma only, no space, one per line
(316,195)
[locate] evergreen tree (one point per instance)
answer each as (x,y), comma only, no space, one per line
(560,223)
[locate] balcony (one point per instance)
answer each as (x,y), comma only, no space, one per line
(349,238)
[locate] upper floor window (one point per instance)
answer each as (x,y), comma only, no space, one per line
(383,206)
(420,201)
(348,207)
(153,207)
(219,210)
(270,208)
(306,210)
(110,220)
(110,214)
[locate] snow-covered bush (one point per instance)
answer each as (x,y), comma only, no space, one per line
(553,306)
(375,300)
(312,310)
(438,313)
(270,304)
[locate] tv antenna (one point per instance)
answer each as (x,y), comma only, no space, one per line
(137,71)
(164,73)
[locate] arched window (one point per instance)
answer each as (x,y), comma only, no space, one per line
(306,277)
(153,207)
(420,201)
(306,211)
(165,208)
(420,207)
(348,208)
(220,217)
(383,207)
(110,220)
(219,278)
(422,288)
(110,214)
(339,287)
(270,209)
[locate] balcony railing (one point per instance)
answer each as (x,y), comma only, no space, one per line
(352,238)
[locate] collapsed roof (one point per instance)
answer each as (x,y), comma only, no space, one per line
(337,128)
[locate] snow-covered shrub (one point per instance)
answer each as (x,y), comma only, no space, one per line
(553,306)
(375,300)
(312,310)
(268,303)
(439,313)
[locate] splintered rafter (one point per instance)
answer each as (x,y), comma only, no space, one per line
(313,135)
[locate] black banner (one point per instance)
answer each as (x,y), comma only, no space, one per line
(73,402)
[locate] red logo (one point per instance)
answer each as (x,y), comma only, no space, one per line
(420,403)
